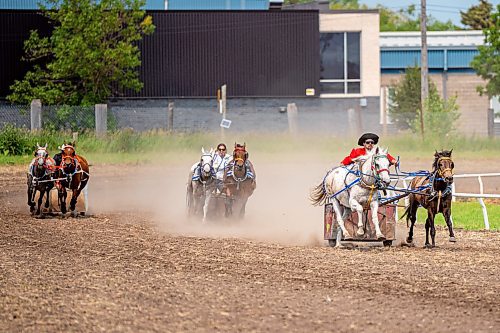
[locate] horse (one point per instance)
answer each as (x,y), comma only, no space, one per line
(75,171)
(355,187)
(40,173)
(239,181)
(201,183)
(439,180)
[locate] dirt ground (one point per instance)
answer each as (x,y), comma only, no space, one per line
(138,265)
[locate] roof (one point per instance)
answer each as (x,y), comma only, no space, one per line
(468,39)
(324,7)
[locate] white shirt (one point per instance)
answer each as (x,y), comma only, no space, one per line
(220,164)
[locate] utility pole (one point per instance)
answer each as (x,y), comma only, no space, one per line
(424,80)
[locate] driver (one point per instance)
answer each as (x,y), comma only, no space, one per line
(368,142)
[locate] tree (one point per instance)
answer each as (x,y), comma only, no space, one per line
(440,115)
(91,54)
(487,62)
(478,17)
(407,19)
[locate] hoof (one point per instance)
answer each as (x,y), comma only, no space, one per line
(428,246)
(346,235)
(74,213)
(380,237)
(360,231)
(453,239)
(409,240)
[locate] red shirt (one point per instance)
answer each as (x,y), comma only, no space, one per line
(356,152)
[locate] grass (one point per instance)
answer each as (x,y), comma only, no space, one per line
(466,215)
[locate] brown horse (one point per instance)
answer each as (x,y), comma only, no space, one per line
(75,169)
(436,197)
(239,181)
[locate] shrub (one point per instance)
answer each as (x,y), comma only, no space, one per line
(14,141)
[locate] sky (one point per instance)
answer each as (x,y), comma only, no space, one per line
(443,10)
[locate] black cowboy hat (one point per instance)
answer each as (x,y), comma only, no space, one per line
(368,136)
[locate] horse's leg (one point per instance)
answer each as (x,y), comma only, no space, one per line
(447,218)
(39,204)
(340,221)
(433,228)
(355,205)
(47,199)
(31,197)
(427,230)
(412,215)
(374,209)
(205,206)
(62,195)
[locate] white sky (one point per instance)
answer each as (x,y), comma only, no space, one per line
(442,10)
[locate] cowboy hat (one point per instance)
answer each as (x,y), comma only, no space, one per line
(368,136)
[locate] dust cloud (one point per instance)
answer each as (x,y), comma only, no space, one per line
(279,210)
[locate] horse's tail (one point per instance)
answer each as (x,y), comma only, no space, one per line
(318,195)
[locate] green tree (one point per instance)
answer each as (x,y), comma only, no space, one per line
(407,19)
(91,51)
(487,62)
(478,17)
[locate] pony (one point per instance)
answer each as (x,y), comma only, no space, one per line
(355,187)
(239,181)
(74,170)
(201,183)
(438,181)
(40,173)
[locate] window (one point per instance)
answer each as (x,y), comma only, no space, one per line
(340,63)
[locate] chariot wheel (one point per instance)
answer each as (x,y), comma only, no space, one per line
(332,242)
(387,243)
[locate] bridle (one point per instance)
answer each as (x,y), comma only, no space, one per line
(441,171)
(202,165)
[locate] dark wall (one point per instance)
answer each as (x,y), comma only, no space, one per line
(191,54)
(15,26)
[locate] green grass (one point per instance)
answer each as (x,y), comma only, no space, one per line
(466,215)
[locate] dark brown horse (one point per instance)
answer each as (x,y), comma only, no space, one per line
(239,181)
(436,197)
(75,169)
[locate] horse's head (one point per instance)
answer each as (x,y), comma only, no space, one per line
(41,154)
(443,165)
(68,158)
(240,155)
(206,161)
(380,165)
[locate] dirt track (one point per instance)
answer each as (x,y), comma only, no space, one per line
(138,265)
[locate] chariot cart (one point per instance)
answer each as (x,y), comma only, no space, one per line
(387,219)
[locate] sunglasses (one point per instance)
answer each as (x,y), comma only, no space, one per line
(222,149)
(369,142)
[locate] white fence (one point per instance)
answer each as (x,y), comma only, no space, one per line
(480,196)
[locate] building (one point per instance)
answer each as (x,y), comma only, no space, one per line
(449,56)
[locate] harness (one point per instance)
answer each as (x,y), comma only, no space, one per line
(248,172)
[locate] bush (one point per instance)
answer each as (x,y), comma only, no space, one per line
(14,141)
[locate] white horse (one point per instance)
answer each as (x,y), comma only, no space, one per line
(201,183)
(365,176)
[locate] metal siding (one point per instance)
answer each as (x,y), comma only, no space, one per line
(192,53)
(15,26)
(33,4)
(257,54)
(400,59)
(461,58)
(435,58)
(19,4)
(218,4)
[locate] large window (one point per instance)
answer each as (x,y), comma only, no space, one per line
(340,63)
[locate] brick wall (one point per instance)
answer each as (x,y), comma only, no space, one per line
(472,107)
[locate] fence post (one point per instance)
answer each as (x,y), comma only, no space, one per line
(491,122)
(170,112)
(36,115)
(292,113)
(101,119)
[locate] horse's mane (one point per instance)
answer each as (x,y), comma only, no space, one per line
(438,155)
